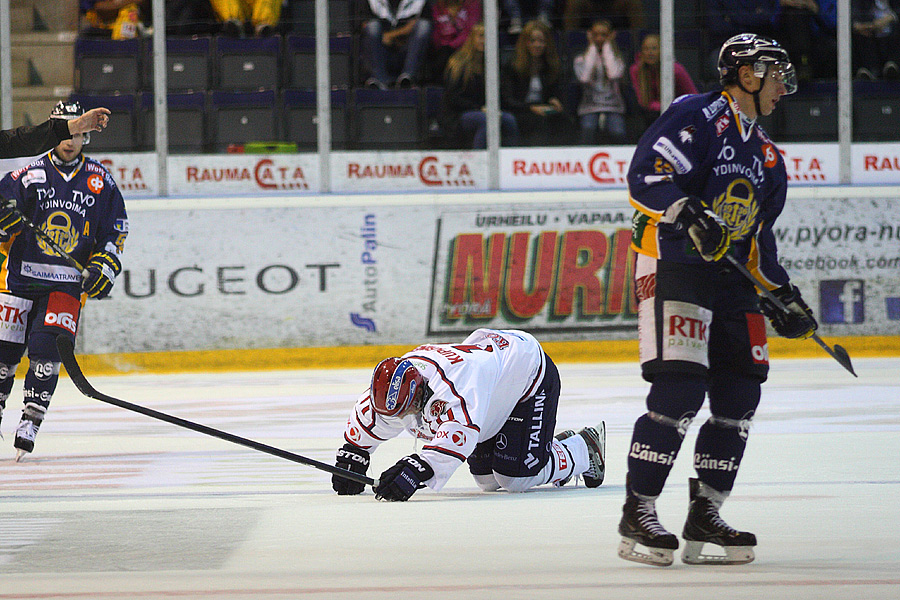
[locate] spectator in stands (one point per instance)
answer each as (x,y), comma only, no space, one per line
(237,16)
(189,17)
(462,109)
(515,10)
(116,19)
(452,21)
(531,88)
(876,39)
(395,41)
(599,70)
(727,18)
(623,14)
(808,31)
(645,79)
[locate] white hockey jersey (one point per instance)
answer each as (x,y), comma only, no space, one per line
(476,384)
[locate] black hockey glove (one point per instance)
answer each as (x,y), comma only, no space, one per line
(101,272)
(706,229)
(10,219)
(798,322)
(402,480)
(354,459)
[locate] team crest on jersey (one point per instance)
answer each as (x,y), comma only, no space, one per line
(437,408)
(738,208)
(95,184)
(58,228)
(722,125)
(686,135)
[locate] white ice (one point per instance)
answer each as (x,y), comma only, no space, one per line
(115,505)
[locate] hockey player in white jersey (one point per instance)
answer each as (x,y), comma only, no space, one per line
(489,401)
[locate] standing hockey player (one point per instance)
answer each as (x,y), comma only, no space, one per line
(706,180)
(75,201)
(489,401)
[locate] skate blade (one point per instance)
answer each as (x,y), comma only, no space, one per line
(734,555)
(656,557)
(20,455)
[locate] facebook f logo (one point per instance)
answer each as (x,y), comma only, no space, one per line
(842,300)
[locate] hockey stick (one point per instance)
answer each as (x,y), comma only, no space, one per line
(11,205)
(838,353)
(67,354)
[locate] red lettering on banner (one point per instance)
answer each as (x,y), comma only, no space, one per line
(358,171)
(270,177)
(884,163)
(604,170)
(430,173)
(522,274)
(202,174)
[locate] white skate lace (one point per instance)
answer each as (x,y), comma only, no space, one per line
(648,519)
(717,521)
(26,430)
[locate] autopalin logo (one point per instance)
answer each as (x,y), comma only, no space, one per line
(363,322)
(842,300)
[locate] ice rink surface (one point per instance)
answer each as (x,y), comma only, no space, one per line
(113,504)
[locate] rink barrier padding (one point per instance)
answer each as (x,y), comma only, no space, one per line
(352,357)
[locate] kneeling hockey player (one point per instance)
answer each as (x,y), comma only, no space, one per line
(489,401)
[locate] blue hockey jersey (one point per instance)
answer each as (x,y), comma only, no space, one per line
(703,146)
(79,207)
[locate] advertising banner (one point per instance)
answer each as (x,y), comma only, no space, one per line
(409,272)
(215,174)
(547,269)
(875,163)
(408,171)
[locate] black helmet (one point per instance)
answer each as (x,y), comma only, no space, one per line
(758,52)
(68,111)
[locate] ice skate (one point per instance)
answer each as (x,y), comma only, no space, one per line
(27,431)
(705,526)
(595,440)
(641,526)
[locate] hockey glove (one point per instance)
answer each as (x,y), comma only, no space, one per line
(706,229)
(100,273)
(10,219)
(354,459)
(798,322)
(402,480)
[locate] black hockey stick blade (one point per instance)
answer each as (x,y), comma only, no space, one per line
(838,353)
(67,354)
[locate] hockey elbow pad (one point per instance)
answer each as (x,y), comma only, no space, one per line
(100,273)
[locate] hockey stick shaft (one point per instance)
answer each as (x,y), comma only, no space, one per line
(838,353)
(10,204)
(67,354)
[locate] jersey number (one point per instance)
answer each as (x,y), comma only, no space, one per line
(467,348)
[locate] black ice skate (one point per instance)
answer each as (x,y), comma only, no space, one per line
(705,526)
(595,439)
(32,417)
(640,525)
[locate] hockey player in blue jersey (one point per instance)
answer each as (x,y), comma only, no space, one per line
(75,201)
(706,180)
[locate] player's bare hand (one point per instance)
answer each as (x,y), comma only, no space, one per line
(93,120)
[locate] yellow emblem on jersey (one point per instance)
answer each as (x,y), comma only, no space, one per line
(738,208)
(59,228)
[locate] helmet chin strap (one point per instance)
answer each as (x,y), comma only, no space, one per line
(754,94)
